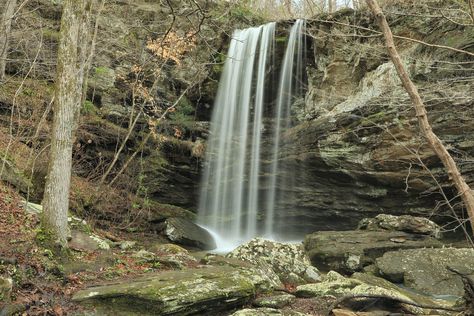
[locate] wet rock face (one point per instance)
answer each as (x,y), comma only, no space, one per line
(406,223)
(187,292)
(426,270)
(288,261)
(350,251)
(185,232)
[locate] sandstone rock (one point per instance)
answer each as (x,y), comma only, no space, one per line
(160,212)
(5,290)
(187,292)
(338,285)
(169,249)
(11,174)
(350,251)
(33,208)
(87,242)
(185,232)
(102,79)
(425,270)
(406,223)
(288,261)
(266,312)
(127,244)
(275,301)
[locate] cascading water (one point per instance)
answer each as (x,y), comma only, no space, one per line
(240,186)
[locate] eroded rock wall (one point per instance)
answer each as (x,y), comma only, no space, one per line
(355,146)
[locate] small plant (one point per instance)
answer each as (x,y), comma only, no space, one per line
(88,108)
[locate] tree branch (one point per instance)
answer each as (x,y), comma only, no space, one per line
(435,143)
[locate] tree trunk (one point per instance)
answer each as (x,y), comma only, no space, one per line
(70,73)
(5,28)
(330,6)
(462,187)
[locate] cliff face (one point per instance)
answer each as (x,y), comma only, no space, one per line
(356,143)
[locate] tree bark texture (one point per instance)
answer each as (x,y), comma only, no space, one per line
(436,144)
(5,32)
(70,74)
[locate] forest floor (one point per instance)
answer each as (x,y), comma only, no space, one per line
(43,284)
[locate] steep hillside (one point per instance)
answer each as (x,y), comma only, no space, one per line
(128,75)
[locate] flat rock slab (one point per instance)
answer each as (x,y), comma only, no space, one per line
(184,292)
(364,284)
(405,223)
(275,301)
(350,251)
(425,270)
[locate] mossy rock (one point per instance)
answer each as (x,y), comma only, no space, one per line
(186,292)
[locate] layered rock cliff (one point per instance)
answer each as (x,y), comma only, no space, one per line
(356,144)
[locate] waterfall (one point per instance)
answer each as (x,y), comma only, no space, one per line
(234,202)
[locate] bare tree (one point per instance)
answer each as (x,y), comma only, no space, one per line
(436,144)
(72,55)
(5,28)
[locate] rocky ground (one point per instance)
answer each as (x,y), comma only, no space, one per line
(389,265)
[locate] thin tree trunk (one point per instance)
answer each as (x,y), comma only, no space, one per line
(119,151)
(5,29)
(462,187)
(70,73)
(471,8)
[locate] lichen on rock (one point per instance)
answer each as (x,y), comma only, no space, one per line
(289,261)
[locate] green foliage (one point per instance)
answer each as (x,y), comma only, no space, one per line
(101,70)
(184,114)
(42,236)
(241,11)
(88,108)
(281,39)
(28,92)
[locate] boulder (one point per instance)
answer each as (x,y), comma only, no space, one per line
(185,232)
(168,249)
(350,251)
(364,284)
(275,301)
(87,242)
(259,265)
(406,223)
(426,270)
(266,312)
(186,292)
(288,260)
